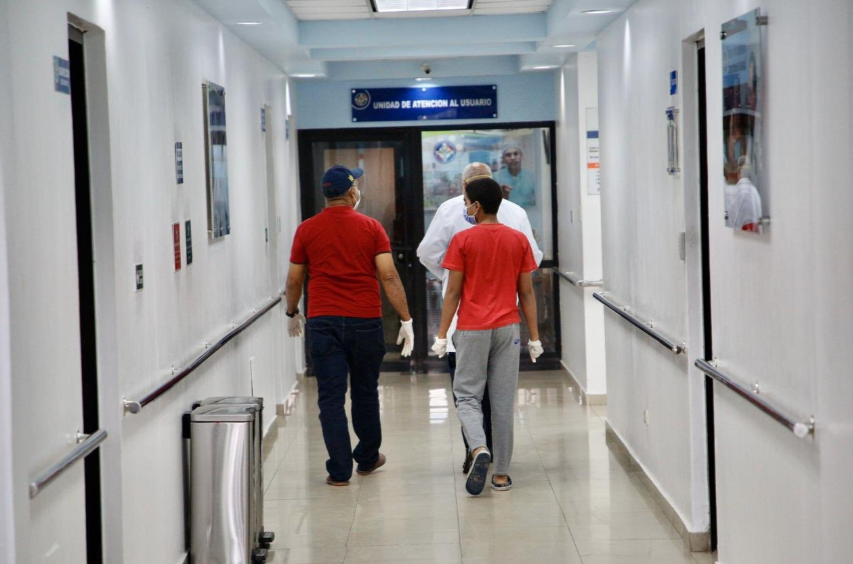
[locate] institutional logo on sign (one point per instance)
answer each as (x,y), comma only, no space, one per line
(360,99)
(444,152)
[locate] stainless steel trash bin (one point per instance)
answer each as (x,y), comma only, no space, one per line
(263,538)
(221,485)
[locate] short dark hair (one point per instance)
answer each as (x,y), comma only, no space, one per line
(487,192)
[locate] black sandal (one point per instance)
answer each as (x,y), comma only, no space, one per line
(477,476)
(505,487)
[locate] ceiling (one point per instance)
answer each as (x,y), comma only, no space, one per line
(305,10)
(344,40)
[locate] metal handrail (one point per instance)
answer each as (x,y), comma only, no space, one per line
(571,279)
(136,406)
(83,449)
(800,428)
(645,327)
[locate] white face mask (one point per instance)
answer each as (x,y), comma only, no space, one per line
(472,219)
(358,201)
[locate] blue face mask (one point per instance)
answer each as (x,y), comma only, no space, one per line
(469,218)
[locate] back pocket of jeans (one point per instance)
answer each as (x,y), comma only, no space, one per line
(370,340)
(321,342)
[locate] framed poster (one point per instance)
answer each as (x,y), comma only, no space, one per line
(216,159)
(743,105)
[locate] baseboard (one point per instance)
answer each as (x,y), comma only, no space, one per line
(286,408)
(695,542)
(580,394)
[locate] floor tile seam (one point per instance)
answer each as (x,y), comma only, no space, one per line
(450,431)
(554,492)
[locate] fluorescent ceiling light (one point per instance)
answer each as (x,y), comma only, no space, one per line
(303,76)
(564,45)
(250,23)
(594,12)
(422,78)
(419,5)
(543,67)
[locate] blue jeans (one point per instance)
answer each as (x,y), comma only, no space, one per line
(355,345)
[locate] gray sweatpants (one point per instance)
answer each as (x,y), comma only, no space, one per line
(490,355)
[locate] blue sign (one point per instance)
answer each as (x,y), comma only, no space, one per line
(407,104)
(673,83)
(61,75)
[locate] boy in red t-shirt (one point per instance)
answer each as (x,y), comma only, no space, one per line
(490,266)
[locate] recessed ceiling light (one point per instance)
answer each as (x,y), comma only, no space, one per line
(250,23)
(383,6)
(594,12)
(564,46)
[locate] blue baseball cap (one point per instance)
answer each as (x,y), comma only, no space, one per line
(339,179)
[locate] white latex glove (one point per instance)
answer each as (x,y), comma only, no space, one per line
(407,337)
(440,347)
(295,324)
(536,349)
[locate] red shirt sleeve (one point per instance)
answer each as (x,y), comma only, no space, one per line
(381,243)
(528,261)
(454,259)
(297,251)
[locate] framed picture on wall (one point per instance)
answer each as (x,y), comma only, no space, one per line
(216,160)
(743,107)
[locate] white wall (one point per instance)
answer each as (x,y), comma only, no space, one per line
(581,316)
(155,57)
(781,302)
(7,493)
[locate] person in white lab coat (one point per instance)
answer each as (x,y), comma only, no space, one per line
(743,202)
(451,218)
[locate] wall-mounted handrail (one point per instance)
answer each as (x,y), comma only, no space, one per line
(645,327)
(800,428)
(136,406)
(574,281)
(80,451)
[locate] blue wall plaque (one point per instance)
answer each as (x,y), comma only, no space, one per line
(61,75)
(407,104)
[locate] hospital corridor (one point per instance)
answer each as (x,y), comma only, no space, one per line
(426,281)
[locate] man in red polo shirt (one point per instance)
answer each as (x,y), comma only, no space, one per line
(342,252)
(490,266)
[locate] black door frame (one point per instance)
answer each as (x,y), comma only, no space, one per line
(86,289)
(414,205)
(706,285)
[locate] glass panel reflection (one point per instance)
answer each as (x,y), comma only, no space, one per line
(743,81)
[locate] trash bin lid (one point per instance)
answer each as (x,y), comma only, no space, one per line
(234,400)
(224,414)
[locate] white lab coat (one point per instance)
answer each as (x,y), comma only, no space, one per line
(448,221)
(743,204)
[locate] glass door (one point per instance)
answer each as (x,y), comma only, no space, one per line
(386,191)
(521,162)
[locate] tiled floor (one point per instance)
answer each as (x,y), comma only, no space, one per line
(573,500)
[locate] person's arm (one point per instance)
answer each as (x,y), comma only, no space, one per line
(392,285)
(435,242)
(451,301)
(517,219)
(295,282)
(528,304)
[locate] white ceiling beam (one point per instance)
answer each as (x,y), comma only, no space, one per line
(421,31)
(423,52)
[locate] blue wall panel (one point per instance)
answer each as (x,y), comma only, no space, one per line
(521,97)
